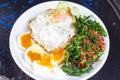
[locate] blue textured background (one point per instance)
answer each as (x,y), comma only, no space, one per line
(10,10)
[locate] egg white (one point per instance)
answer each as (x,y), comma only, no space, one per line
(49,34)
(39,68)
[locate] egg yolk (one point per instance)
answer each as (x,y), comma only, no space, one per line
(45,60)
(33,56)
(25,40)
(59,15)
(58,54)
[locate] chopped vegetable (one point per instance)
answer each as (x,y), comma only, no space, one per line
(85,48)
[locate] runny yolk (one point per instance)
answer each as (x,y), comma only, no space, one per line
(25,40)
(58,54)
(45,60)
(33,56)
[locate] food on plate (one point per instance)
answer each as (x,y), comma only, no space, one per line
(25,41)
(63,41)
(53,28)
(57,55)
(85,48)
(36,56)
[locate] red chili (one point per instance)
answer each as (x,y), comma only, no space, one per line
(81,65)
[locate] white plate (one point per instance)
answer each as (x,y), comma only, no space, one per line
(21,26)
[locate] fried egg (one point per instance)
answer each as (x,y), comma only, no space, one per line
(25,40)
(53,28)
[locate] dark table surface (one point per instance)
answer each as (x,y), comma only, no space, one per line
(10,10)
